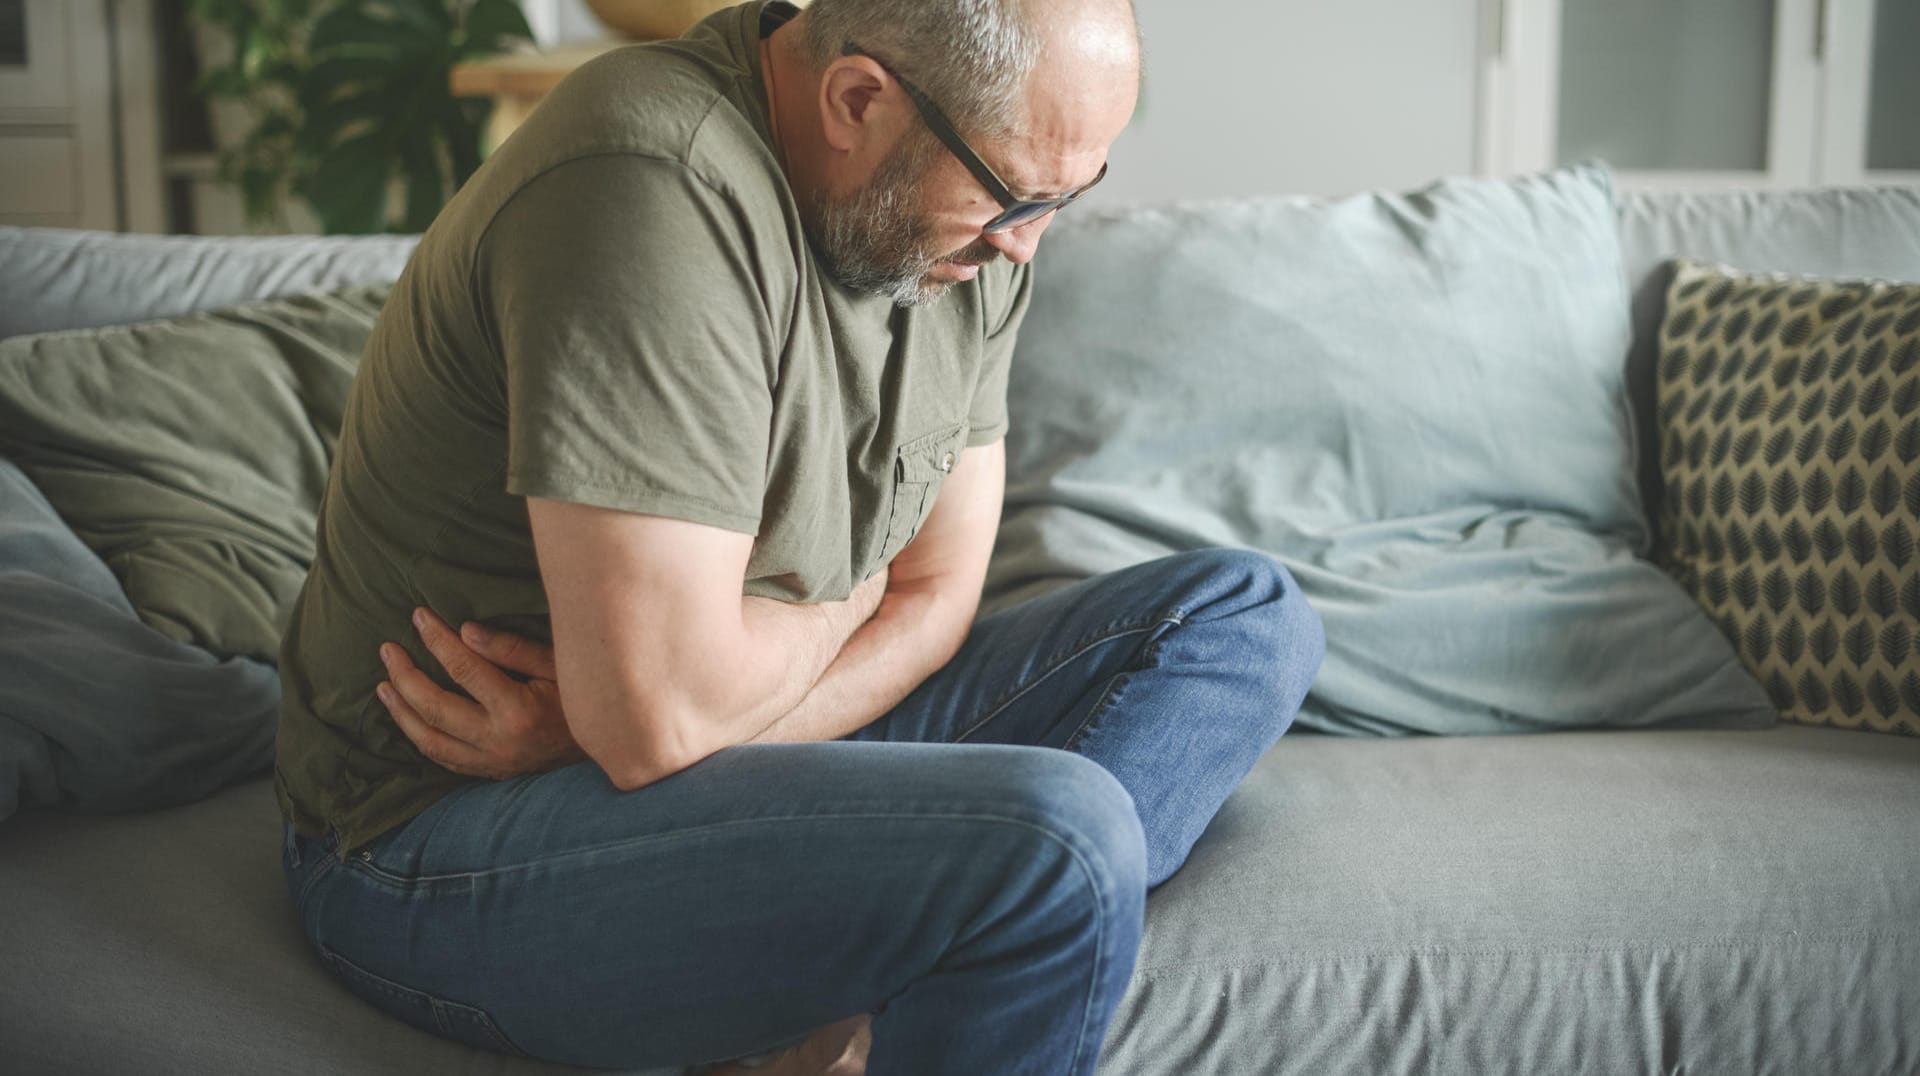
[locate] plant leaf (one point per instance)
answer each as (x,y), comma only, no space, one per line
(355,26)
(348,187)
(491,25)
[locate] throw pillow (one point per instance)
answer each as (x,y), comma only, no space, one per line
(190,454)
(1415,402)
(99,712)
(1790,424)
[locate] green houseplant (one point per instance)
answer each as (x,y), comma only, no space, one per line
(350,102)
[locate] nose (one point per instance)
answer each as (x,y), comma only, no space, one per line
(1018,244)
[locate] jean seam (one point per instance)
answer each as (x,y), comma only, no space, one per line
(1115,685)
(443,1009)
(405,881)
(996,708)
(1101,956)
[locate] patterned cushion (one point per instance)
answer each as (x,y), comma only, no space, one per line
(1790,443)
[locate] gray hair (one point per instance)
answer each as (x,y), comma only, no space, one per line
(971,56)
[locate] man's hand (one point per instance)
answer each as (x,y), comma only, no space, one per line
(509,728)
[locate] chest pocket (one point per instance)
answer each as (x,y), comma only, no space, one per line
(919,467)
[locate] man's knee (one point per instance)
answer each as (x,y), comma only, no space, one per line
(1071,811)
(1247,582)
(1257,605)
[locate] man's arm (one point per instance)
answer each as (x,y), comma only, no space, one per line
(933,591)
(660,660)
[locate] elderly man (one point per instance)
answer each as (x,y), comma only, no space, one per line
(688,410)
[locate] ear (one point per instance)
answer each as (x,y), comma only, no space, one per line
(852,111)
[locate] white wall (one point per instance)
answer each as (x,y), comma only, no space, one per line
(1262,96)
(1299,96)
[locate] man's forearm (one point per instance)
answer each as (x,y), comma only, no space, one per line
(911,636)
(781,652)
(800,642)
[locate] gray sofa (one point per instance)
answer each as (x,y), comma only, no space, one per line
(1705,900)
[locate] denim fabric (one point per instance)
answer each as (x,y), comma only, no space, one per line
(972,867)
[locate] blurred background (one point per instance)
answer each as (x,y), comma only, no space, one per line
(229,116)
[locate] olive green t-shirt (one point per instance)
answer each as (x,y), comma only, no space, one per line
(619,309)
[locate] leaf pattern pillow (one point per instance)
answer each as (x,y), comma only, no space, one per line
(1789,413)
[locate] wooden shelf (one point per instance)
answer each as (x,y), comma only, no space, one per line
(517,81)
(526,74)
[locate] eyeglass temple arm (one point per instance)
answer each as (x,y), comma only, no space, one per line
(937,123)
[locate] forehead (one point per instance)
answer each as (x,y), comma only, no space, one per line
(1066,139)
(1072,121)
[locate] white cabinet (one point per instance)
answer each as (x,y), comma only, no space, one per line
(56,139)
(78,134)
(1706,93)
(1870,122)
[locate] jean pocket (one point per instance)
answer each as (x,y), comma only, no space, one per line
(919,468)
(450,1019)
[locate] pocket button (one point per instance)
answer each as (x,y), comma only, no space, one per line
(946,462)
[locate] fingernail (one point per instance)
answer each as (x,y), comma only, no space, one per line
(474,632)
(420,619)
(385,693)
(385,657)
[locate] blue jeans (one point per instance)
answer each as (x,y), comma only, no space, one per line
(971,867)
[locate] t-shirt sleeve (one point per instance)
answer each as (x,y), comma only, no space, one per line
(987,417)
(629,305)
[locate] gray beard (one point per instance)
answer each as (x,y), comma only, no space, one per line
(876,241)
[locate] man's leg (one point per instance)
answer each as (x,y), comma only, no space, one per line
(985,899)
(1175,676)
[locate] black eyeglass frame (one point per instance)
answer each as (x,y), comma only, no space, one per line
(1014,212)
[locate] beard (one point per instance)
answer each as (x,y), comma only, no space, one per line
(878,241)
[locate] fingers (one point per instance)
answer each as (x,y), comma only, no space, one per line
(486,683)
(438,746)
(510,651)
(432,704)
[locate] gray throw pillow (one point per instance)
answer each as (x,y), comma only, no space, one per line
(99,712)
(1414,402)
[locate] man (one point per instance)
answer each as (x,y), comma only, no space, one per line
(702,379)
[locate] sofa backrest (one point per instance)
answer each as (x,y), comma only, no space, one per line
(1837,232)
(54,278)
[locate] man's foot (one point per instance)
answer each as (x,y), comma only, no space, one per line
(835,1050)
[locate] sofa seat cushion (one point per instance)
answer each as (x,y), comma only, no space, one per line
(1707,902)
(1648,901)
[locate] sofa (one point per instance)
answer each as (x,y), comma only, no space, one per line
(1535,818)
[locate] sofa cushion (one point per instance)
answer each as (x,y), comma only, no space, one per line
(1714,903)
(1705,902)
(1790,434)
(57,278)
(1831,232)
(190,454)
(1415,402)
(99,712)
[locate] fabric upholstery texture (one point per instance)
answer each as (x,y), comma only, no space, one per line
(1710,902)
(99,712)
(1858,232)
(1790,432)
(1714,903)
(191,454)
(55,278)
(1415,402)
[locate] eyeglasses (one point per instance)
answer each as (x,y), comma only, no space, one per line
(1014,212)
